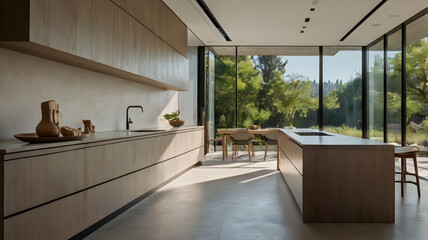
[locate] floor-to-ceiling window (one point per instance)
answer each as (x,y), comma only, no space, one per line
(417,82)
(375,91)
(342,84)
(278,86)
(223,72)
(393,67)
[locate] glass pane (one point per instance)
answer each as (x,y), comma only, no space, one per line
(375,88)
(342,86)
(209,109)
(278,86)
(394,88)
(417,82)
(225,84)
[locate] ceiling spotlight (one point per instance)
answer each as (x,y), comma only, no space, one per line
(312,9)
(307,19)
(304,27)
(302,31)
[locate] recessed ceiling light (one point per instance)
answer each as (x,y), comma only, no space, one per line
(376,25)
(304,27)
(307,19)
(312,9)
(302,31)
(393,15)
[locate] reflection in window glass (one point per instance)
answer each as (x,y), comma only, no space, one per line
(394,88)
(278,86)
(375,88)
(342,90)
(225,83)
(417,82)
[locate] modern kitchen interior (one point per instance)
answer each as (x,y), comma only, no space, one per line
(214,119)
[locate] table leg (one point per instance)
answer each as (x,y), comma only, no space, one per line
(222,144)
(227,142)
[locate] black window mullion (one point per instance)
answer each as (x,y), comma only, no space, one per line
(364,94)
(320,91)
(385,88)
(403,85)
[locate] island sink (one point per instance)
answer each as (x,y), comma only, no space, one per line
(147,130)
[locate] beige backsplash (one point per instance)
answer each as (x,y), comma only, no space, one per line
(26,81)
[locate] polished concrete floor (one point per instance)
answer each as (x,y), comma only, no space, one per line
(242,200)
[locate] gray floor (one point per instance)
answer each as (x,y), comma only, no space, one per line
(242,200)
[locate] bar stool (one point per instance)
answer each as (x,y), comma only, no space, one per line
(403,153)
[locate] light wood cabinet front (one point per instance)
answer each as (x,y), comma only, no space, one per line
(156,16)
(57,195)
(62,25)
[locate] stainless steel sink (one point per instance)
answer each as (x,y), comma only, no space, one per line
(312,134)
(148,130)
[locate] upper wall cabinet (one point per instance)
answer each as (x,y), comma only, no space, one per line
(156,16)
(102,36)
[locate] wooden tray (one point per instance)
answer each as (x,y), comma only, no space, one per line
(33,138)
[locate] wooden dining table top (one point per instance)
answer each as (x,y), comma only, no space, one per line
(231,130)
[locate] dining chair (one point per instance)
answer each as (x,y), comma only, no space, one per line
(271,138)
(242,137)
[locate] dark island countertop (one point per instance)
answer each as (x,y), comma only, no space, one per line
(331,140)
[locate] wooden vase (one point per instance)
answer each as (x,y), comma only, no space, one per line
(49,125)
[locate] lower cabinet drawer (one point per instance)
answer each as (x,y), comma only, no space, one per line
(293,178)
(68,216)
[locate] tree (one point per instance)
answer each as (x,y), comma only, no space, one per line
(294,96)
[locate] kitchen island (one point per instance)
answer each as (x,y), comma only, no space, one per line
(336,178)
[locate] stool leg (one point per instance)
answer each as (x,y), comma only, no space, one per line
(402,175)
(267,147)
(415,163)
(405,168)
(215,144)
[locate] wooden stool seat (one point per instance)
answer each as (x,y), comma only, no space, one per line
(403,153)
(215,141)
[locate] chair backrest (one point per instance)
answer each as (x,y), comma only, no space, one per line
(241,134)
(272,134)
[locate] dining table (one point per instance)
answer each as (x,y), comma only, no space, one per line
(225,136)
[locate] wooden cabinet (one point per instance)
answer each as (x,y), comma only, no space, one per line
(156,16)
(62,25)
(57,193)
(102,36)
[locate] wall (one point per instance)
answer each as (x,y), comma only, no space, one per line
(26,81)
(187,101)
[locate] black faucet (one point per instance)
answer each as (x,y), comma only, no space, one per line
(128,120)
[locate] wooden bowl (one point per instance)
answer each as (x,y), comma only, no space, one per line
(176,123)
(254,127)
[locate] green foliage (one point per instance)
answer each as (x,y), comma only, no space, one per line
(173,116)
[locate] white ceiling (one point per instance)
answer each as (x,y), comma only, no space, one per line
(279,22)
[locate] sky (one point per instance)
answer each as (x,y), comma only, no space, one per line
(341,66)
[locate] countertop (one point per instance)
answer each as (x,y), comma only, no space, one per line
(333,140)
(14,145)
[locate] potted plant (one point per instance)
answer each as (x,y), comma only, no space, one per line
(173,119)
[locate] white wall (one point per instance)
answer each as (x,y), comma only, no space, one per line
(187,101)
(26,81)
